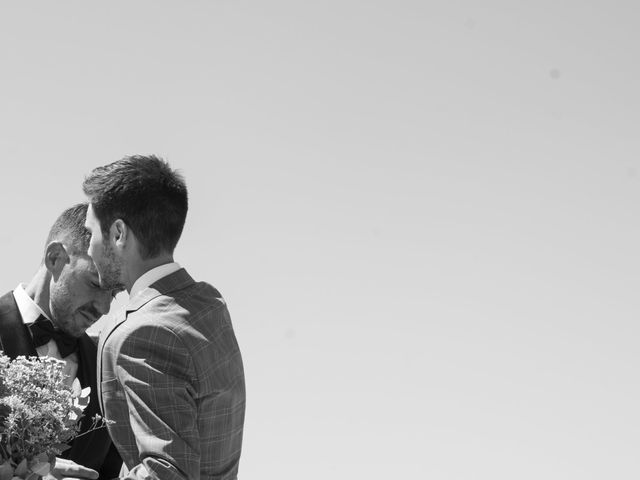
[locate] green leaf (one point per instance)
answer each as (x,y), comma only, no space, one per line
(6,471)
(60,447)
(41,468)
(21,469)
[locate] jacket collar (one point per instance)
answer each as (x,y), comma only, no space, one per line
(172,282)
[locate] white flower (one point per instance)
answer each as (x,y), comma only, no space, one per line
(80,396)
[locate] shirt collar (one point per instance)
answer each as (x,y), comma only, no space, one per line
(152,276)
(29,310)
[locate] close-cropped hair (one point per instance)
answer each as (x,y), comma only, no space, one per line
(69,229)
(146,194)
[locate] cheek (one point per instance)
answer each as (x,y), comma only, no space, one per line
(61,296)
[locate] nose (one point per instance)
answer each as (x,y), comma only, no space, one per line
(103,302)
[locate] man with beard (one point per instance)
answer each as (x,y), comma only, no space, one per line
(49,316)
(170,370)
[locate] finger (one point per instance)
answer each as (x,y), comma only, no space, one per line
(78,471)
(76,478)
(73,470)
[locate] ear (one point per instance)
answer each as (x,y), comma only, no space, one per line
(55,258)
(119,233)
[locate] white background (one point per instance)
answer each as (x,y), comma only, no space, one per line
(425,216)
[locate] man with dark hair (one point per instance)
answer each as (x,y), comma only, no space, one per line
(170,369)
(49,317)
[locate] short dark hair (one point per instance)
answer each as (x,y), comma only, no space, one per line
(146,194)
(69,229)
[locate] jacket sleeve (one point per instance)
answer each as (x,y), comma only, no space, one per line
(156,372)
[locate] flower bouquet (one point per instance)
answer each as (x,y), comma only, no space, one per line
(38,415)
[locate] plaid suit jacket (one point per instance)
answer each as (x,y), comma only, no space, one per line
(172,381)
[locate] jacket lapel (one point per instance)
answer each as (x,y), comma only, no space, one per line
(112,324)
(87,363)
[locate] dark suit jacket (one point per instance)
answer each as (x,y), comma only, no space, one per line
(95,449)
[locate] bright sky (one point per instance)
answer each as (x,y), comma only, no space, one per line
(424,215)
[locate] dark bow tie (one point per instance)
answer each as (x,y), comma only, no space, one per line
(43,330)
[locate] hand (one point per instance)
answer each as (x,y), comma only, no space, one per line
(69,470)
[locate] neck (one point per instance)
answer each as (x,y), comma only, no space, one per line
(38,289)
(140,267)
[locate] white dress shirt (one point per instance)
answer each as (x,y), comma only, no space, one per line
(30,311)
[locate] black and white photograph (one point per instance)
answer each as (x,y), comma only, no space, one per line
(320,240)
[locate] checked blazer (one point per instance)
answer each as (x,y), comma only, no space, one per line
(172,383)
(93,449)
